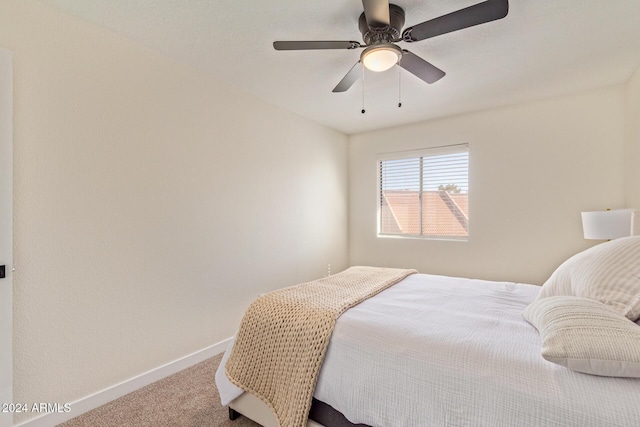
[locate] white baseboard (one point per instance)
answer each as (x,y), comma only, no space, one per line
(114,392)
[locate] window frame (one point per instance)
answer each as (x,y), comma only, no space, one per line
(415,154)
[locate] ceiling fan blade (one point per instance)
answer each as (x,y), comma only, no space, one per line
(309,45)
(420,68)
(477,14)
(348,80)
(376,12)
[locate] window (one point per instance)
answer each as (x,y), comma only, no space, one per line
(425,193)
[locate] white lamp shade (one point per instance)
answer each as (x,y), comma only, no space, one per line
(606,225)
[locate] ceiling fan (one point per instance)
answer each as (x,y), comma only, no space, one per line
(381,27)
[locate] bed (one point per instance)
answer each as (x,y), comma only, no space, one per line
(443,351)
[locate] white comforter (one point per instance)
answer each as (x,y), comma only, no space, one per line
(443,351)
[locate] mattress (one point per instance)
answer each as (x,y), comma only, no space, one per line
(444,351)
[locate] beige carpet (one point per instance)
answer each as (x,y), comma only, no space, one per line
(186,399)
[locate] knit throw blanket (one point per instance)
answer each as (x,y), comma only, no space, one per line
(284,335)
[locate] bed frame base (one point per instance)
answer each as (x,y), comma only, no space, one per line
(256,410)
(233,414)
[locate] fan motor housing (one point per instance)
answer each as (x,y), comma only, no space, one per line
(386,33)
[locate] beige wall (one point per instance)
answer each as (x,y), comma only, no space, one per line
(152,203)
(533,169)
(633,141)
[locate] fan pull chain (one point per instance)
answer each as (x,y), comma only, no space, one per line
(399,87)
(363,110)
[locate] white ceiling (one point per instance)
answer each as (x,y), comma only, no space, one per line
(542,48)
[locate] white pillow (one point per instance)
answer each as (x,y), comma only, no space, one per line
(608,272)
(586,336)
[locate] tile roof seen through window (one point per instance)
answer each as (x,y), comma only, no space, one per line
(443,214)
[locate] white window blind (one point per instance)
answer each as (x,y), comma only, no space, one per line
(425,193)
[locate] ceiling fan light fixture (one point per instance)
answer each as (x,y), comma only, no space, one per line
(381,57)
